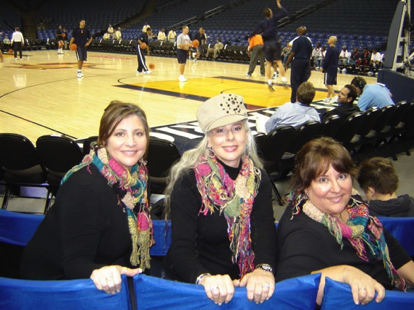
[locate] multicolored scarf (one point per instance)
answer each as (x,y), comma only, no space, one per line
(234,199)
(131,187)
(361,230)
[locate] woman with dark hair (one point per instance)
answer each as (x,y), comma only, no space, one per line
(327,229)
(99,226)
(223,231)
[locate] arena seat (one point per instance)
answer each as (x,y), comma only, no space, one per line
(339,296)
(295,293)
(63,295)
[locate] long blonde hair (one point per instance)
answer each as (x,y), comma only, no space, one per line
(191,158)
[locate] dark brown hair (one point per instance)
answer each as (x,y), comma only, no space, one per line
(352,92)
(315,158)
(378,173)
(114,113)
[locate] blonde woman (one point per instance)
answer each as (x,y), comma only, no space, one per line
(219,198)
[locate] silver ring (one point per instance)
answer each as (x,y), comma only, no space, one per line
(214,289)
(266,285)
(362,288)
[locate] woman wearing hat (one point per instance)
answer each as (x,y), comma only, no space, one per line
(219,199)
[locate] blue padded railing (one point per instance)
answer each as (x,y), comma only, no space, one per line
(339,296)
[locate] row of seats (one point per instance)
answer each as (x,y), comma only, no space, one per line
(23,164)
(357,132)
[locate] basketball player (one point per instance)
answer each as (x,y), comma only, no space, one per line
(59,39)
(272,48)
(183,45)
(82,38)
(142,64)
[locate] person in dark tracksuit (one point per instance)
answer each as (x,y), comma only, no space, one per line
(142,64)
(302,51)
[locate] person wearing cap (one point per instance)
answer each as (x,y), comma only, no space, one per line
(219,200)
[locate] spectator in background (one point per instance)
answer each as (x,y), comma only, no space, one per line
(293,114)
(330,68)
(346,106)
(344,56)
(17,42)
(161,35)
(255,52)
(379,180)
(317,56)
(376,60)
(172,35)
(355,56)
(285,52)
(110,32)
(216,49)
(144,28)
(118,34)
(373,95)
(364,59)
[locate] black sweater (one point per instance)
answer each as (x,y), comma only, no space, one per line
(200,243)
(304,245)
(84,230)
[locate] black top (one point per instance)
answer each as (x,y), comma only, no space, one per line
(200,244)
(84,230)
(304,245)
(343,111)
(402,206)
(302,47)
(143,38)
(200,37)
(81,35)
(330,63)
(268,27)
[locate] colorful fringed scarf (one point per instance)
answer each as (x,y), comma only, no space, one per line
(131,187)
(361,230)
(234,199)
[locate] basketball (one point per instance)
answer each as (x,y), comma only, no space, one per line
(143,45)
(63,35)
(11,51)
(73,47)
(196,43)
(151,66)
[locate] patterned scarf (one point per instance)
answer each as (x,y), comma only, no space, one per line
(131,188)
(361,230)
(233,198)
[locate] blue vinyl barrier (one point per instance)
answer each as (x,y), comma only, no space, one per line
(402,228)
(156,293)
(339,296)
(63,295)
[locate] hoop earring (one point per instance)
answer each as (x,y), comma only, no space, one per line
(210,152)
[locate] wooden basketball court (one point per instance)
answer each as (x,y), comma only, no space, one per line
(41,95)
